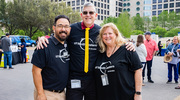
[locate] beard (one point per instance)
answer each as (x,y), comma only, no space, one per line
(62,38)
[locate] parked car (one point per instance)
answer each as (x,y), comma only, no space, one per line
(16,39)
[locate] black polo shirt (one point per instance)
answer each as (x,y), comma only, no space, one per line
(120,69)
(76,44)
(54,62)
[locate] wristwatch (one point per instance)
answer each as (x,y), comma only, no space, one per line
(138,93)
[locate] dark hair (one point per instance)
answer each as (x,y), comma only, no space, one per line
(59,17)
(22,40)
(7,34)
(140,40)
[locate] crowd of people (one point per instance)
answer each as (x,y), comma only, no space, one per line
(93,62)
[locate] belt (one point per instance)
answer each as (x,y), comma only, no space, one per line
(57,91)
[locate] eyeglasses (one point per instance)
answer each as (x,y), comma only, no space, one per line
(86,12)
(61,26)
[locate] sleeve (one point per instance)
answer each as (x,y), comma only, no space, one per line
(134,61)
(144,50)
(39,58)
(167,49)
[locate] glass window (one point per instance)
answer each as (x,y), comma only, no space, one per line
(165,5)
(78,8)
(87,0)
(124,4)
(160,6)
(165,0)
(95,3)
(171,10)
(128,9)
(91,1)
(120,4)
(104,0)
(178,4)
(171,5)
(101,5)
(137,8)
(159,1)
(124,9)
(128,4)
(159,12)
(107,1)
(55,0)
(147,7)
(98,11)
(154,6)
(147,1)
(101,11)
(104,12)
(137,14)
(147,13)
(153,13)
(73,3)
(104,5)
(98,17)
(107,12)
(138,3)
(69,3)
(124,0)
(98,4)
(107,6)
(177,10)
(116,8)
(83,1)
(154,1)
(116,15)
(120,9)
(116,2)
(77,2)
(171,0)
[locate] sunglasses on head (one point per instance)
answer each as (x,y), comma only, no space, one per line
(86,12)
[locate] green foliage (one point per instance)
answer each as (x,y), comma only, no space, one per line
(137,32)
(37,34)
(163,18)
(138,22)
(159,31)
(173,20)
(109,20)
(147,22)
(154,22)
(172,32)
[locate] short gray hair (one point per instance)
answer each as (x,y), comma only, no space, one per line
(89,4)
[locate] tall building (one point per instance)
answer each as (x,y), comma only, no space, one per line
(168,5)
(104,8)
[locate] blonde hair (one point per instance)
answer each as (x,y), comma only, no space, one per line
(176,38)
(119,39)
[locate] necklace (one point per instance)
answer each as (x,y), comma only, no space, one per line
(112,51)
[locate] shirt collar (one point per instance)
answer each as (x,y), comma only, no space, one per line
(55,41)
(83,26)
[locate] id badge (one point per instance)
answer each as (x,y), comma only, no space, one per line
(75,84)
(104,79)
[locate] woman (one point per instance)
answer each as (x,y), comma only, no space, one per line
(141,49)
(118,72)
(160,47)
(23,50)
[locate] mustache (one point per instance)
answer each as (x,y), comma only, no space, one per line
(62,32)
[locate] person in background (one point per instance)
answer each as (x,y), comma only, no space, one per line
(23,50)
(172,51)
(5,43)
(118,71)
(168,42)
(141,50)
(159,47)
(151,48)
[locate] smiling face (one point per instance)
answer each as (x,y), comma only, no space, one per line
(109,37)
(175,40)
(62,29)
(88,17)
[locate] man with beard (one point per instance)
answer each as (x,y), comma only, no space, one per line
(51,64)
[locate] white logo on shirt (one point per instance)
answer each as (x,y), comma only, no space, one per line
(63,55)
(106,67)
(92,45)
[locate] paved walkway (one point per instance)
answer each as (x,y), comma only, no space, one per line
(17,84)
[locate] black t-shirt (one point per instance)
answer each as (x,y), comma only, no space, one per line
(76,44)
(120,69)
(54,62)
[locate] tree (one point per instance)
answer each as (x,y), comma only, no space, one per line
(138,22)
(154,22)
(109,20)
(125,24)
(147,22)
(159,31)
(173,20)
(163,18)
(137,32)
(172,32)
